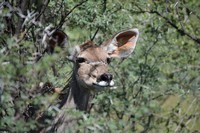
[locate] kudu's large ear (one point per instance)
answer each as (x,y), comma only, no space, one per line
(122,44)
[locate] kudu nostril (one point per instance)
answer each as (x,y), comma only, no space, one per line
(107,77)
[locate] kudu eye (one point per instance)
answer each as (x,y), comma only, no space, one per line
(108,60)
(80,60)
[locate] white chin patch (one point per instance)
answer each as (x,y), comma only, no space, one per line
(105,84)
(112,83)
(102,83)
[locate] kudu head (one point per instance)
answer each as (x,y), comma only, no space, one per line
(91,61)
(90,73)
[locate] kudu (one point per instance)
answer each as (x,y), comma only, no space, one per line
(90,72)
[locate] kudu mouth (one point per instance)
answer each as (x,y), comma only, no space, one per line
(105,80)
(104,84)
(99,84)
(94,82)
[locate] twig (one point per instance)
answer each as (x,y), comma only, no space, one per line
(42,11)
(63,19)
(147,124)
(186,68)
(181,31)
(181,121)
(94,34)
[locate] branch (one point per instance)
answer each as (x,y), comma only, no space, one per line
(186,68)
(39,15)
(92,38)
(147,125)
(181,31)
(63,18)
(182,120)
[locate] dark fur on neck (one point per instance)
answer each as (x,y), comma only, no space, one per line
(76,97)
(80,95)
(74,93)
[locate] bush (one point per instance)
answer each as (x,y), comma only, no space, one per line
(157,88)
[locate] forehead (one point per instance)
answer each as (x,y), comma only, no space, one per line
(94,53)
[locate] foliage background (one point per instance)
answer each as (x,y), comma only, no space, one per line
(157,88)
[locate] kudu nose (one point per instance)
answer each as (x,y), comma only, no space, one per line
(107,77)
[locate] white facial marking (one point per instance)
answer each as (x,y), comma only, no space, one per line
(105,84)
(102,83)
(96,62)
(112,83)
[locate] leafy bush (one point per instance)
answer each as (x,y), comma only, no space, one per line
(157,89)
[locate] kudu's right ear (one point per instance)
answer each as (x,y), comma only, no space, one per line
(122,44)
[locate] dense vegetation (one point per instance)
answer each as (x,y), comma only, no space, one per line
(157,88)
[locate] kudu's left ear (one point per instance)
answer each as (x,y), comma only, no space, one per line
(54,38)
(122,44)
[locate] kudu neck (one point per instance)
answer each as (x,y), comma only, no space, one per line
(80,95)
